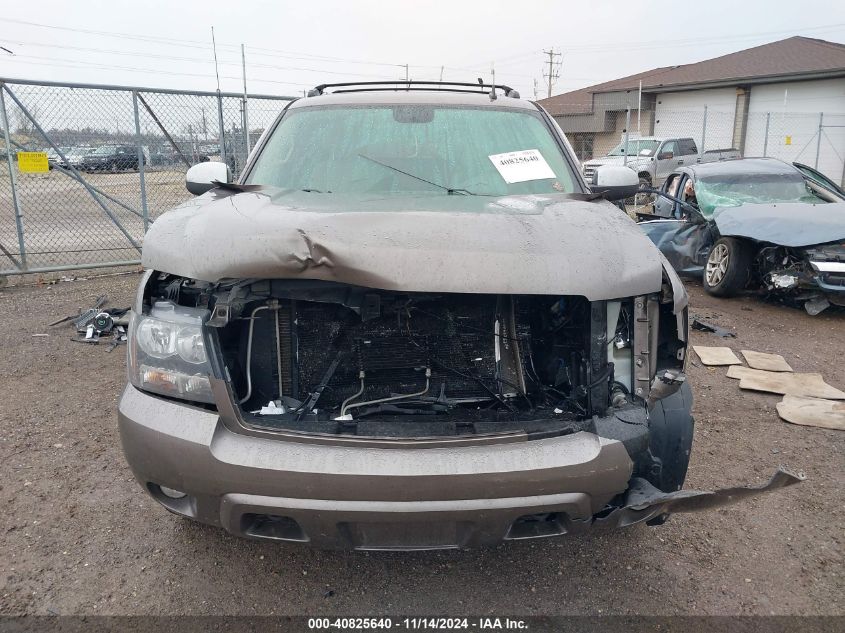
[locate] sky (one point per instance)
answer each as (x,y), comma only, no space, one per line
(291,46)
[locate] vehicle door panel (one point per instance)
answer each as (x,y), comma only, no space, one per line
(667,165)
(664,207)
(819,178)
(685,241)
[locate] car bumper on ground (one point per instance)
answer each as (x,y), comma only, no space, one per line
(336,496)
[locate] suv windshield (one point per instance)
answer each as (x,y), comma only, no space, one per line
(104,150)
(404,149)
(642,147)
(757,189)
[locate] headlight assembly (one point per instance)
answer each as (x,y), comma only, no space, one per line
(167,352)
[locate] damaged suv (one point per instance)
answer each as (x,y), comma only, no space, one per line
(410,325)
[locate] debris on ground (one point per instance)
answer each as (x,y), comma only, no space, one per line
(786,383)
(825,414)
(97,322)
(715,356)
(816,305)
(705,326)
(767,362)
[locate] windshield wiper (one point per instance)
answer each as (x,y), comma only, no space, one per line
(449,190)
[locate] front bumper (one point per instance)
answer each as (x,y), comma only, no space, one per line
(364,497)
(335,496)
(830,277)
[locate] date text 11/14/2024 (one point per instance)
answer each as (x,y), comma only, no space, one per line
(417,624)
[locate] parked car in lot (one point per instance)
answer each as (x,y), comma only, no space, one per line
(53,157)
(654,158)
(111,158)
(75,156)
(755,222)
(410,325)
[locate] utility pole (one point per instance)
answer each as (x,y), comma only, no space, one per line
(554,68)
(535,89)
(245,113)
(406,72)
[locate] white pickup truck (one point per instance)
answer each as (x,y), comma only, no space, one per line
(654,158)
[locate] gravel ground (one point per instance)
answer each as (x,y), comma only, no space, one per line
(80,537)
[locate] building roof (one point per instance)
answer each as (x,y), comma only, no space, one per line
(792,58)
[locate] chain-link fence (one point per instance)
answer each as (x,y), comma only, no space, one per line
(816,139)
(117,159)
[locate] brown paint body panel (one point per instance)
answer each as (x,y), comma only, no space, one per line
(547,245)
(336,492)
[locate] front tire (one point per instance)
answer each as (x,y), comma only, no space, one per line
(728,267)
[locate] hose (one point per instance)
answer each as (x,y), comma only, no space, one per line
(249,354)
(353,396)
(278,350)
(403,396)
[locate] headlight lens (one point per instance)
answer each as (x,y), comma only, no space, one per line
(155,337)
(167,352)
(190,345)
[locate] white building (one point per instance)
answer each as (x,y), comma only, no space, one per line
(784,99)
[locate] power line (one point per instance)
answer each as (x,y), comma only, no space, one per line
(588,47)
(99,66)
(554,68)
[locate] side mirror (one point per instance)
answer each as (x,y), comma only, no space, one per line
(200,178)
(665,156)
(616,182)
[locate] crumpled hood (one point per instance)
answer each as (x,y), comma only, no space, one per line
(551,244)
(792,224)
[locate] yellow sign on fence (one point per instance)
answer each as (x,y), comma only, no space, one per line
(33,162)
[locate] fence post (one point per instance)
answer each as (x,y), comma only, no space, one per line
(627,126)
(703,132)
(819,139)
(144,210)
(766,134)
(221,131)
(4,120)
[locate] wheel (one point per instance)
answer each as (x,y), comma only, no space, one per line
(728,267)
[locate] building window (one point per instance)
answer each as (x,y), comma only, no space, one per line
(583,145)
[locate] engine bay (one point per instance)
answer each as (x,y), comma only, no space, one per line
(324,357)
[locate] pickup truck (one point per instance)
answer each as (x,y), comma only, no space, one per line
(654,158)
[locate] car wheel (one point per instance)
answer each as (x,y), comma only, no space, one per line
(728,267)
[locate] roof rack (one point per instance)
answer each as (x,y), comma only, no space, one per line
(398,85)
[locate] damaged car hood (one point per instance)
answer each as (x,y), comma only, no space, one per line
(792,224)
(551,244)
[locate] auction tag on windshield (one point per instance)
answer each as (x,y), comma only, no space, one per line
(527,164)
